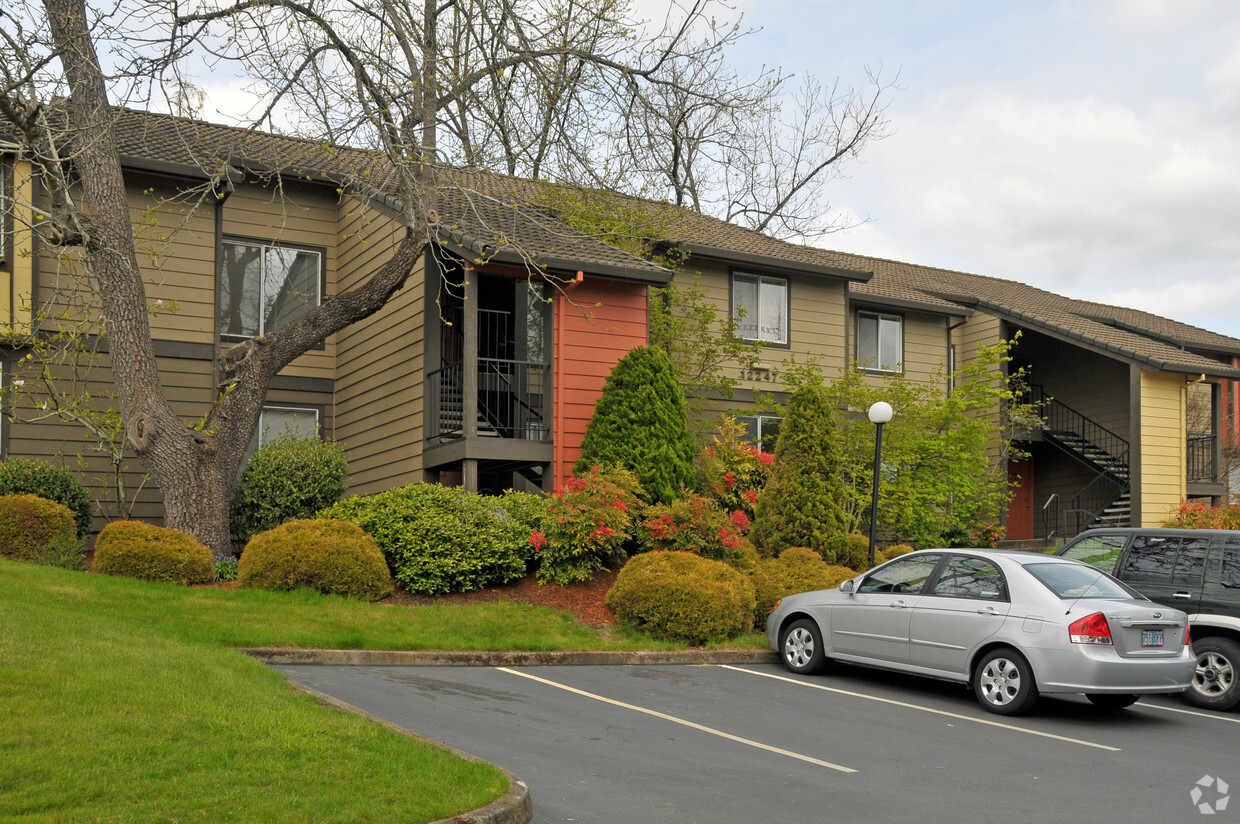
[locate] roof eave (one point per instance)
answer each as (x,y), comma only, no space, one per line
(771,264)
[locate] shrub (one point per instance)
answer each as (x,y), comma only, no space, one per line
(528,511)
(732,471)
(439,539)
(21,476)
(797,569)
(288,478)
(66,551)
(329,556)
(640,423)
(588,526)
(683,597)
(894,551)
(29,523)
(851,550)
(801,503)
(134,549)
(693,524)
(1199,516)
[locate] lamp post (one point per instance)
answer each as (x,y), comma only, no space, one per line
(879,414)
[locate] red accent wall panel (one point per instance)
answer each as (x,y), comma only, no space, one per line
(586,349)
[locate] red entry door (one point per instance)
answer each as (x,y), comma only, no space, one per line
(1020,508)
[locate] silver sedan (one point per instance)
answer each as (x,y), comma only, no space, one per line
(1014,624)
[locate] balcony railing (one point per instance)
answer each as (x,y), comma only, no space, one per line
(513,400)
(1201,466)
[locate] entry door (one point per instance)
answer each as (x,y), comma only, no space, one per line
(1020,508)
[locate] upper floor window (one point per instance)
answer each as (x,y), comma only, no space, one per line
(880,341)
(760,306)
(265,287)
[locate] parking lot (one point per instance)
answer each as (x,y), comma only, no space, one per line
(721,743)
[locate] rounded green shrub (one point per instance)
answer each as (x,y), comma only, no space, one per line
(528,511)
(439,539)
(893,551)
(29,524)
(134,549)
(797,569)
(849,550)
(23,476)
(287,479)
(683,597)
(332,557)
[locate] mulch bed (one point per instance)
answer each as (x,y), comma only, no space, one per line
(585,601)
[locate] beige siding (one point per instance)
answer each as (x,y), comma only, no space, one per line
(1163,468)
(296,214)
(16,282)
(816,323)
(379,368)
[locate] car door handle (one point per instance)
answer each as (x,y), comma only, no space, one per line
(898,605)
(986,611)
(1182,595)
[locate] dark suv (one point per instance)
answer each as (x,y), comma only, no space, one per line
(1196,570)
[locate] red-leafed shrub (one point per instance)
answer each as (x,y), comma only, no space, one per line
(588,527)
(1195,515)
(733,471)
(693,524)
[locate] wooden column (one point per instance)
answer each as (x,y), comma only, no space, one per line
(469,401)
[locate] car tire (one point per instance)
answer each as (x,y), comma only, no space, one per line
(1215,686)
(800,647)
(1112,702)
(1003,682)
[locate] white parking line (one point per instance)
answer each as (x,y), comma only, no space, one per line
(1212,716)
(985,721)
(680,721)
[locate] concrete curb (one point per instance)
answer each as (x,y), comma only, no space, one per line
(514,807)
(451,658)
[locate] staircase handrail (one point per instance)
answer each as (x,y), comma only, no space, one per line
(1050,517)
(1060,417)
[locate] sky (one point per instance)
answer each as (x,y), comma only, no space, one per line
(1087,147)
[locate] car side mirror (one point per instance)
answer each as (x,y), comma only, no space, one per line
(848,587)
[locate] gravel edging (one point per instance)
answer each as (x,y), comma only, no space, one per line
(514,807)
(452,658)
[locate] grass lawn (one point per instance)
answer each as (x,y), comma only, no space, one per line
(120,701)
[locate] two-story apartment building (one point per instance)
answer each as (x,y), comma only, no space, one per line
(484,369)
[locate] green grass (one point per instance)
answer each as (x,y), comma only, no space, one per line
(121,701)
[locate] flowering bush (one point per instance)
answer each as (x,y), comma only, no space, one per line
(588,525)
(1194,515)
(987,535)
(732,471)
(693,524)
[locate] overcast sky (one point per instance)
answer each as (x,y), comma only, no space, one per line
(1088,147)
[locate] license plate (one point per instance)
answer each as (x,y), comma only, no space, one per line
(1151,637)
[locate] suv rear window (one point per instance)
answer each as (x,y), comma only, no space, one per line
(1231,563)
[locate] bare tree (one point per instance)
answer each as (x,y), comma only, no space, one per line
(378,74)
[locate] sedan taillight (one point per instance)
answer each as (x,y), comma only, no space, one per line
(1092,629)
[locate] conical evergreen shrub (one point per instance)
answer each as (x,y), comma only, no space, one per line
(801,504)
(640,422)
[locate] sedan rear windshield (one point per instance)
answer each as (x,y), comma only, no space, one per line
(1073,581)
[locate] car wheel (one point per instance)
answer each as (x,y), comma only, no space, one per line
(801,647)
(1214,685)
(1112,702)
(1003,682)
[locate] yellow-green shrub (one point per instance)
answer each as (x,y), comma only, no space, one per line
(893,551)
(682,597)
(147,552)
(28,524)
(797,569)
(333,557)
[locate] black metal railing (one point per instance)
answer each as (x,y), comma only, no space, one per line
(1050,518)
(1201,465)
(1082,436)
(1087,508)
(513,400)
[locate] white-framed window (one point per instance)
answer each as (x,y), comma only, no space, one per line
(761,430)
(760,306)
(264,287)
(277,422)
(880,341)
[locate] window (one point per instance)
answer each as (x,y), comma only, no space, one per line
(760,307)
(1231,563)
(907,575)
(761,430)
(276,422)
(1101,551)
(971,578)
(264,287)
(880,341)
(1151,560)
